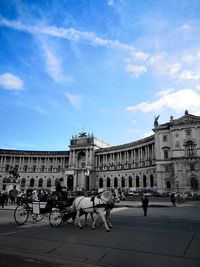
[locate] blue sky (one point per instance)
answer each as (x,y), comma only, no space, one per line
(106,67)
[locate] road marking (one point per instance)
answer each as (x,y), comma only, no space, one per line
(119,209)
(9,233)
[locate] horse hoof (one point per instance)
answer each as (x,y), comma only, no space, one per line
(81,228)
(93,228)
(107,230)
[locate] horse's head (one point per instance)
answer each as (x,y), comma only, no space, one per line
(115,196)
(106,195)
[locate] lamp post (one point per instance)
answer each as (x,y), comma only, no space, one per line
(177,184)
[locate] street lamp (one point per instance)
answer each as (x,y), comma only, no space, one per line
(177,184)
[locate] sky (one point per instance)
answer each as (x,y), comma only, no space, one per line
(106,67)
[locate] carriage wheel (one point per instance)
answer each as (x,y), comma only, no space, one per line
(55,218)
(21,214)
(37,217)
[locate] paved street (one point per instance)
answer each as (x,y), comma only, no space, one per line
(166,237)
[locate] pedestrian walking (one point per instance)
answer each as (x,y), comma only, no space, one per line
(173,200)
(3,199)
(145,203)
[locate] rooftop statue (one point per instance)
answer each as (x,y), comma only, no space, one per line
(82,134)
(156,120)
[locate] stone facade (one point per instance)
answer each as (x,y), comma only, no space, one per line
(168,160)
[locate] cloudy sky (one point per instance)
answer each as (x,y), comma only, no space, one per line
(106,67)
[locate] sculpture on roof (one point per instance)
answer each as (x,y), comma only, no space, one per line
(186,112)
(82,134)
(156,120)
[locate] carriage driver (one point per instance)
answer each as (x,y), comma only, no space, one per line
(61,189)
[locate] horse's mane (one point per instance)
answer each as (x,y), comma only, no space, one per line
(106,195)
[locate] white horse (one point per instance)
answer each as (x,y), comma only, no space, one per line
(95,207)
(115,199)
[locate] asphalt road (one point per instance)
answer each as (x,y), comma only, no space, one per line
(166,237)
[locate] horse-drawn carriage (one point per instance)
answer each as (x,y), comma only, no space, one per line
(54,208)
(60,211)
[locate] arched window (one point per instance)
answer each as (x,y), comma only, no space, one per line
(32,182)
(108,183)
(123,182)
(40,184)
(194,183)
(115,182)
(70,182)
(151,181)
(100,182)
(190,148)
(48,182)
(130,182)
(166,154)
(168,184)
(137,181)
(144,181)
(56,181)
(23,182)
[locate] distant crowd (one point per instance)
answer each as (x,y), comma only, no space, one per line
(15,197)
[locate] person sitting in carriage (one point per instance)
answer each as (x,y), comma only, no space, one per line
(61,189)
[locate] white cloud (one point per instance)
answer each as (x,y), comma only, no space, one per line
(139,55)
(174,100)
(66,33)
(10,82)
(136,71)
(53,63)
(75,100)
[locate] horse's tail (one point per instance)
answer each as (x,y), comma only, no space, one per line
(73,206)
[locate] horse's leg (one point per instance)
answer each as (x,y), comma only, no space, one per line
(86,224)
(108,218)
(94,220)
(78,219)
(101,213)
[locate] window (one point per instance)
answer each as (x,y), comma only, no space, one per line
(123,182)
(164,138)
(151,181)
(115,182)
(137,181)
(48,182)
(23,182)
(108,182)
(144,181)
(32,182)
(40,184)
(192,167)
(130,182)
(166,156)
(100,182)
(168,184)
(190,148)
(194,183)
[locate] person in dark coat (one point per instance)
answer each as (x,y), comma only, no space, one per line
(61,189)
(145,203)
(3,199)
(173,200)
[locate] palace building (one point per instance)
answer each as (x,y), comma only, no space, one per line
(168,160)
